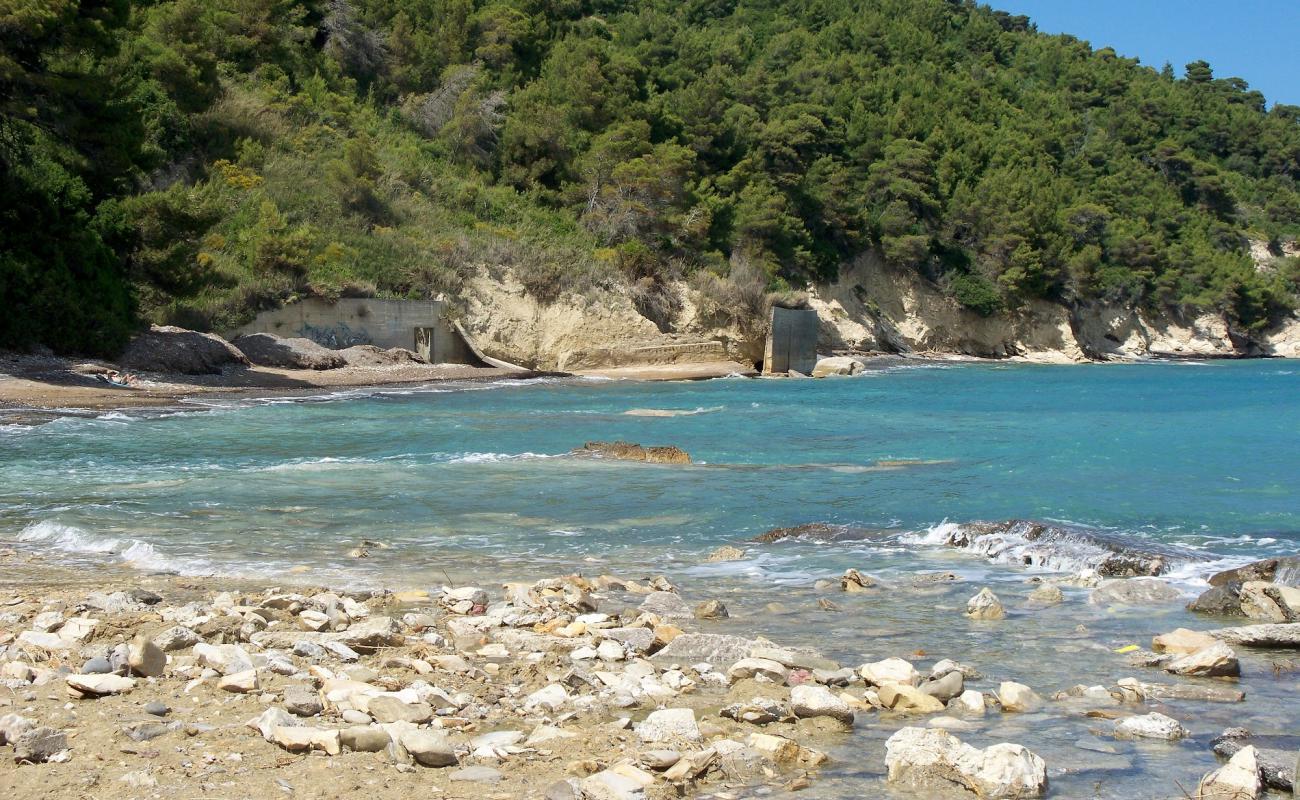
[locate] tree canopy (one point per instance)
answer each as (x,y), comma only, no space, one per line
(191,161)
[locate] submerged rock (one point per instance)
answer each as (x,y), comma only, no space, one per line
(628,451)
(985,605)
(931,760)
(726,553)
(1150,726)
(814,532)
(1065,548)
(1134,592)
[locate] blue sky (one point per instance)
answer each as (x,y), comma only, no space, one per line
(1251,39)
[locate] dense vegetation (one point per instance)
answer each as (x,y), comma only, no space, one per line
(191,161)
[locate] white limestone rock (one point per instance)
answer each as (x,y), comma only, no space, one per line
(931,760)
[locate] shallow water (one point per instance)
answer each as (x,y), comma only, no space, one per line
(474,480)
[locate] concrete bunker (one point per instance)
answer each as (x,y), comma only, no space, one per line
(417,325)
(791,341)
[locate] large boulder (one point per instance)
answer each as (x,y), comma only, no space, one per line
(1285,571)
(1236,780)
(837,365)
(1216,661)
(1278,756)
(933,761)
(1284,636)
(269,350)
(166,348)
(367,355)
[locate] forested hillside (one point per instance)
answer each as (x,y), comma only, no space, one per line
(191,161)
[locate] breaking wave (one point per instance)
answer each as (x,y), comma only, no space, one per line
(1061,548)
(132,552)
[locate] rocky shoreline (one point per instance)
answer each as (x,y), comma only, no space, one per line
(565,688)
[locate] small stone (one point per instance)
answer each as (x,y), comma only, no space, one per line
(854,581)
(669,724)
(1017,697)
(12,726)
(667,606)
(157,709)
(945,688)
(1150,726)
(429,749)
(726,553)
(476,774)
(356,717)
(549,698)
(807,700)
(906,698)
(227,659)
(930,759)
(1047,595)
(785,752)
(96,666)
(302,702)
(270,720)
(711,609)
(387,709)
(891,670)
(985,605)
(177,638)
(240,682)
(305,649)
(100,685)
(610,650)
(969,703)
(39,745)
(660,759)
(758,667)
(546,733)
(361,739)
(299,740)
(146,658)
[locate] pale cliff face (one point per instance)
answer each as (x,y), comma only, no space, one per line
(870,308)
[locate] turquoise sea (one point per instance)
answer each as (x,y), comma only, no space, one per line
(454,476)
(475,481)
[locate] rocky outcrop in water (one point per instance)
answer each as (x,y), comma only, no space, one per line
(1277,755)
(628,451)
(1267,590)
(1064,548)
(269,350)
(814,532)
(166,348)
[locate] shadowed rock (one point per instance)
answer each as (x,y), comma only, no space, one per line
(269,350)
(166,348)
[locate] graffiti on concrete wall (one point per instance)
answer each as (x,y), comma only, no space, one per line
(336,336)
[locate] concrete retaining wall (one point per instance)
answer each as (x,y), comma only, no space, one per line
(791,342)
(352,321)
